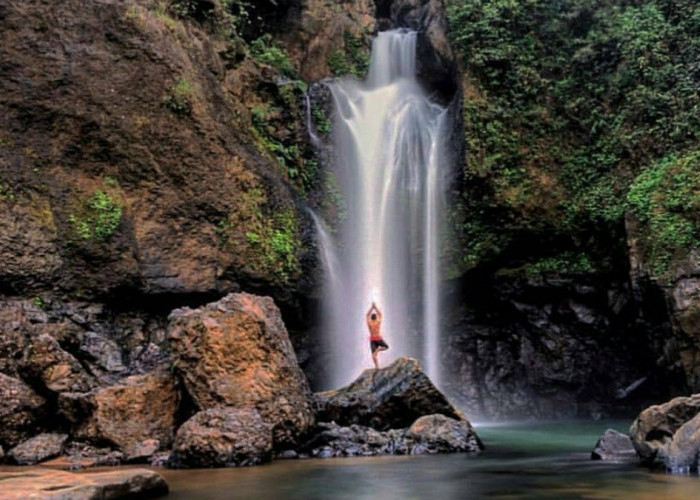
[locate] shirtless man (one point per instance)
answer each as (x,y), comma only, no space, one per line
(376,342)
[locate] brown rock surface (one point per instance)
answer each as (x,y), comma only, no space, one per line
(224,437)
(654,428)
(21,411)
(236,353)
(46,484)
(441,434)
(389,398)
(38,449)
(138,408)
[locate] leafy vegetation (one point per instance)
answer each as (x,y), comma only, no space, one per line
(352,60)
(665,198)
(97,217)
(567,102)
(265,51)
(179,99)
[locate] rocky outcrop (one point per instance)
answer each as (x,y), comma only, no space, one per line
(47,484)
(549,347)
(236,353)
(668,435)
(21,411)
(390,398)
(224,437)
(613,446)
(38,449)
(139,408)
(395,410)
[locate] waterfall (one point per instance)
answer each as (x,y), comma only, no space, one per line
(387,139)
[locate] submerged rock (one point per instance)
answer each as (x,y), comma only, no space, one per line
(614,446)
(389,398)
(236,353)
(226,437)
(668,435)
(38,449)
(48,484)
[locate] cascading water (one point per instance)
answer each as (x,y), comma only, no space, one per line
(387,138)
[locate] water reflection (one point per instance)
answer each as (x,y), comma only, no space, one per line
(547,461)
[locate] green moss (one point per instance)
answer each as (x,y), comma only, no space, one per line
(6,193)
(179,99)
(265,51)
(98,216)
(353,59)
(665,198)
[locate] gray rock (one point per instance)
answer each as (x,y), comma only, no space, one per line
(389,398)
(614,446)
(429,434)
(682,453)
(21,410)
(38,449)
(2,455)
(142,451)
(225,437)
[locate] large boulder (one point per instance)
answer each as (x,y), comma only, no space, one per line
(138,408)
(389,398)
(21,411)
(655,428)
(225,437)
(613,446)
(48,484)
(682,454)
(38,449)
(441,434)
(58,370)
(236,353)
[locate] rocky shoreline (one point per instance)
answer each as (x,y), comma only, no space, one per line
(228,392)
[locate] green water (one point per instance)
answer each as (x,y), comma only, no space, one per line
(522,461)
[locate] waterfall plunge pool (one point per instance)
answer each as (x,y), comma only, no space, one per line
(521,461)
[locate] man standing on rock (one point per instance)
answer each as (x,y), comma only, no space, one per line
(376,342)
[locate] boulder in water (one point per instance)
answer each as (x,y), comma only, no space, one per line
(613,446)
(668,435)
(223,437)
(236,353)
(38,449)
(441,434)
(388,398)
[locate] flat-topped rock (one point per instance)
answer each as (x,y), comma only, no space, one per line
(47,484)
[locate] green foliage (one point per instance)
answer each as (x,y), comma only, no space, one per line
(665,198)
(564,263)
(6,193)
(38,302)
(277,244)
(321,121)
(352,60)
(265,51)
(567,102)
(179,99)
(98,217)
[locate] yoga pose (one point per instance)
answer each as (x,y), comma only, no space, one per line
(376,342)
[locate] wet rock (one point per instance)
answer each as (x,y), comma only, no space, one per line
(21,411)
(47,484)
(236,353)
(38,449)
(141,452)
(429,434)
(389,398)
(79,455)
(655,428)
(138,408)
(441,434)
(2,455)
(614,446)
(224,437)
(681,455)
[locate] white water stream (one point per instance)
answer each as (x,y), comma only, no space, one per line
(387,139)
